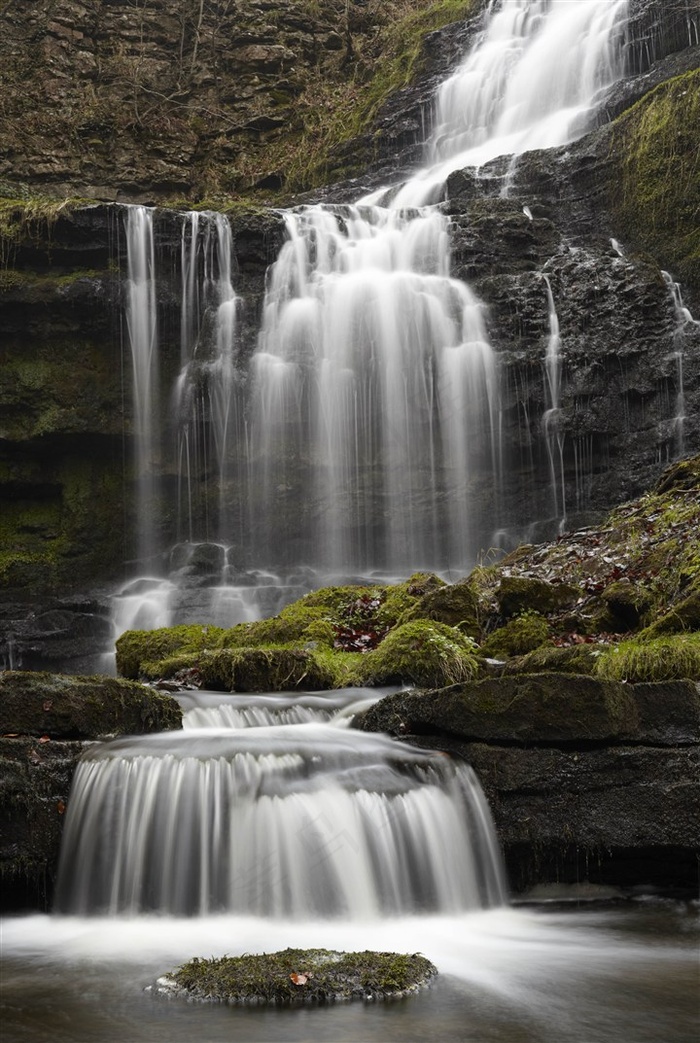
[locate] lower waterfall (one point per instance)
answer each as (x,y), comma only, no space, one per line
(239,814)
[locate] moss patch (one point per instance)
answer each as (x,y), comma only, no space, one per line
(424,653)
(297,976)
(135,648)
(57,706)
(263,670)
(657,196)
(520,635)
(661,659)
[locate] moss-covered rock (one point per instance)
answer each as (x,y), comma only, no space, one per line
(660,659)
(544,709)
(63,707)
(517,594)
(45,720)
(263,670)
(682,617)
(626,602)
(518,636)
(657,194)
(136,647)
(568,659)
(297,976)
(421,652)
(455,604)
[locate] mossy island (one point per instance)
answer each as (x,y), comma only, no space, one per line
(620,601)
(299,976)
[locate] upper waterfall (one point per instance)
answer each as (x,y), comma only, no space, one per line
(531,80)
(364,435)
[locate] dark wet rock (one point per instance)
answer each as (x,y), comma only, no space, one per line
(64,707)
(45,720)
(585,780)
(546,710)
(35,782)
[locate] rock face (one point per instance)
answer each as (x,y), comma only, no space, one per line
(177,98)
(45,722)
(67,425)
(587,780)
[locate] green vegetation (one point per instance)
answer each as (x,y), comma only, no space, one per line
(422,652)
(302,976)
(522,634)
(560,608)
(63,707)
(662,659)
(657,195)
(136,647)
(347,109)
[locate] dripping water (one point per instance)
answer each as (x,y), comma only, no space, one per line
(684,321)
(552,418)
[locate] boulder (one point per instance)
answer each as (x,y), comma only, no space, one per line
(586,779)
(45,720)
(64,707)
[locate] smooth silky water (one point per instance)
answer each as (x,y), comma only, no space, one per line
(268,822)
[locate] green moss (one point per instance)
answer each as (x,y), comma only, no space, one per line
(626,602)
(454,604)
(662,659)
(263,670)
(335,110)
(33,703)
(518,594)
(683,616)
(303,976)
(657,194)
(572,659)
(520,635)
(137,647)
(423,653)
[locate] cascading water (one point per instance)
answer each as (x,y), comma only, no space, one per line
(684,323)
(552,416)
(141,324)
(364,434)
(298,820)
(374,366)
(531,80)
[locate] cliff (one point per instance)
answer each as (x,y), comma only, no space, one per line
(194,103)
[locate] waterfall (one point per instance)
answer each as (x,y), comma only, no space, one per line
(205,391)
(363,436)
(684,322)
(295,821)
(374,366)
(141,327)
(552,419)
(531,80)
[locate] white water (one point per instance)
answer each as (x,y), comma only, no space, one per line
(295,820)
(143,343)
(552,419)
(365,436)
(684,324)
(531,80)
(374,365)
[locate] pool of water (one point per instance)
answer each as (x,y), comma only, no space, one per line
(621,974)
